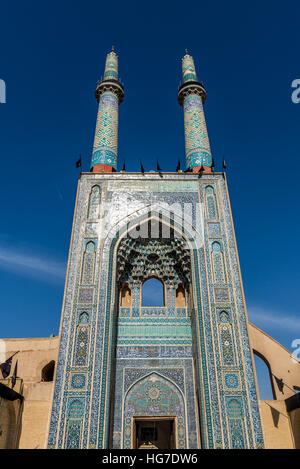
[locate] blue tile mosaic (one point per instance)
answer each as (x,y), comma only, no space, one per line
(186,360)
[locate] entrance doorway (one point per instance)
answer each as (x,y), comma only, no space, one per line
(156,433)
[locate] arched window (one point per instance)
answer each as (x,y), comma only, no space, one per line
(211,202)
(125,296)
(94,201)
(84,318)
(88,263)
(180,297)
(224,317)
(153,293)
(81,355)
(263,376)
(234,409)
(218,262)
(48,371)
(75,410)
(216,246)
(90,246)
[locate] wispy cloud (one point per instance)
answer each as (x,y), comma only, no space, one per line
(277,319)
(25,263)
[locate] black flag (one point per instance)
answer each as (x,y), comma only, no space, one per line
(14,376)
(142,168)
(78,163)
(178,166)
(224,165)
(201,171)
(158,167)
(280,383)
(6,366)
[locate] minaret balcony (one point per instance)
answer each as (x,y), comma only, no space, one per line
(191,87)
(109,84)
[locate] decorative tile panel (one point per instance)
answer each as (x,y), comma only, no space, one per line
(214,228)
(154,396)
(78,381)
(221,295)
(85,295)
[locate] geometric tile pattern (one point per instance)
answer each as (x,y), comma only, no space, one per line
(236,425)
(168,259)
(214,228)
(88,264)
(218,263)
(154,396)
(94,203)
(81,346)
(105,148)
(74,424)
(197,147)
(226,343)
(211,204)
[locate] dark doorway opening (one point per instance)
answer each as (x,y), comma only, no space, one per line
(157,433)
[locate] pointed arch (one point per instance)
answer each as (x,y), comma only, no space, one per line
(75,409)
(193,237)
(154,395)
(88,263)
(216,246)
(147,375)
(90,246)
(94,203)
(84,318)
(211,203)
(234,409)
(218,262)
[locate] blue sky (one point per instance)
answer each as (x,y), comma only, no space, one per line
(53,53)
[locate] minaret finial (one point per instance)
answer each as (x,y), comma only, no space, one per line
(113,48)
(186,52)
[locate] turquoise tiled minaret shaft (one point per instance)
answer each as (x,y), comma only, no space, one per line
(191,95)
(109,94)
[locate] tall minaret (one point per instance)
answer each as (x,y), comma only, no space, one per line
(109,94)
(191,95)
